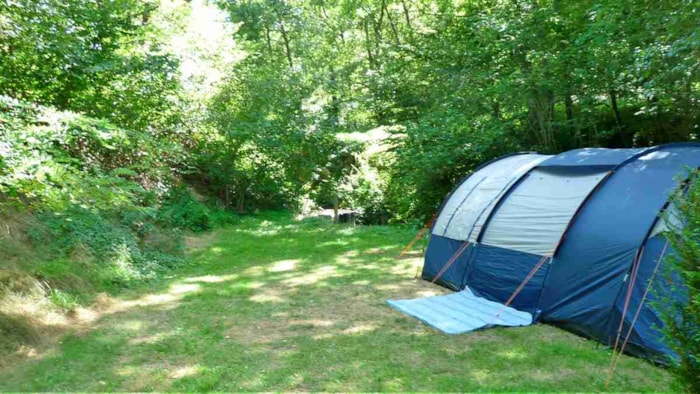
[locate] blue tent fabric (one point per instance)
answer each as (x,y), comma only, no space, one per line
(589,157)
(588,276)
(461,312)
(583,287)
(497,272)
(439,251)
(648,321)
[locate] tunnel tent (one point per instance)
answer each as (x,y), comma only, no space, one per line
(558,236)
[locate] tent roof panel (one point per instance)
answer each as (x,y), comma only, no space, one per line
(592,157)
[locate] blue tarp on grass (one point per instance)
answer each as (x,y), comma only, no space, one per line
(461,312)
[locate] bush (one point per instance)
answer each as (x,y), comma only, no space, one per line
(118,249)
(681,315)
(182,210)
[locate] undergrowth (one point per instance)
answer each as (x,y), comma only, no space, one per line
(86,208)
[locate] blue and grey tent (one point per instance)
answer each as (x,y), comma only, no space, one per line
(578,225)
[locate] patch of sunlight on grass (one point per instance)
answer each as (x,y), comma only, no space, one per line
(512,355)
(148,339)
(130,325)
(270,296)
(336,242)
(212,278)
(313,277)
(553,375)
(295,379)
(280,314)
(84,315)
(362,282)
(126,371)
(362,328)
(344,260)
(312,323)
(389,287)
(395,384)
(170,299)
(480,375)
(427,293)
(272,231)
(283,265)
(184,288)
(185,371)
(404,268)
(256,270)
(255,285)
(253,384)
(347,231)
(369,266)
(216,250)
(350,253)
(151,300)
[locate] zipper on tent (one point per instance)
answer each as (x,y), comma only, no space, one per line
(537,311)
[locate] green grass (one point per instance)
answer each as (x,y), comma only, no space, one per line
(275,304)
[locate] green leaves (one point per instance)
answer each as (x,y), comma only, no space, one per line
(85,56)
(466,80)
(679,303)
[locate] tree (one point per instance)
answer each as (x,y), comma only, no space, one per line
(99,58)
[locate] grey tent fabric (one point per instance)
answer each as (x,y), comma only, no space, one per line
(670,219)
(463,221)
(534,216)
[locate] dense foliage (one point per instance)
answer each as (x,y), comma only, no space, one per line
(91,187)
(102,58)
(457,83)
(446,85)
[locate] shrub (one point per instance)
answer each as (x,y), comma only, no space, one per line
(181,209)
(681,315)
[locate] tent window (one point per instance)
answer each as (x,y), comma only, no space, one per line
(534,216)
(670,219)
(470,204)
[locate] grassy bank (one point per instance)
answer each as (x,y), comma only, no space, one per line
(277,304)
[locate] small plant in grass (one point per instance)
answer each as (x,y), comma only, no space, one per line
(681,314)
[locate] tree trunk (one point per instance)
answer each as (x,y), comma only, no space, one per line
(540,117)
(392,25)
(368,44)
(288,52)
(378,25)
(336,204)
(569,103)
(616,111)
(626,139)
(269,41)
(407,16)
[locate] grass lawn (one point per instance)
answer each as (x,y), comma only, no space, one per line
(275,304)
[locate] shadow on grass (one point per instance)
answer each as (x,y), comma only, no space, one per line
(282,305)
